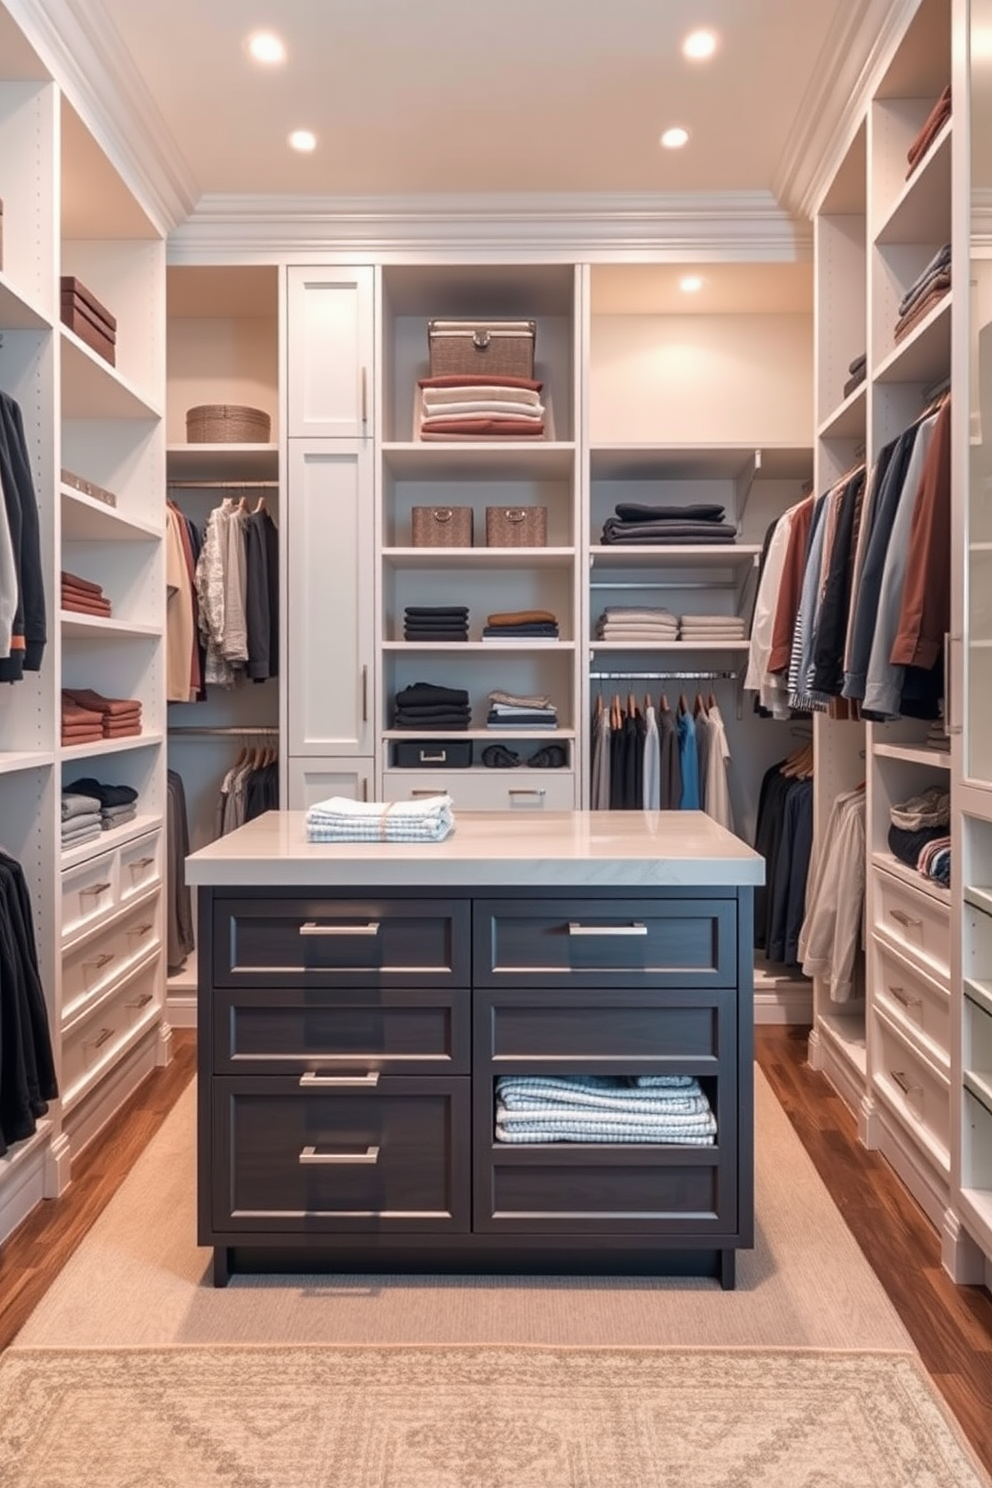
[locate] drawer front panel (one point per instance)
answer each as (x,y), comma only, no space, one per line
(914,1001)
(96,1040)
(625,1192)
(914,1089)
(596,1031)
(574,943)
(140,865)
(396,1030)
(89,891)
(493,790)
(91,968)
(392,1157)
(919,924)
(295,942)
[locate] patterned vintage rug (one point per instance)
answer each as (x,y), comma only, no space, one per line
(463,1417)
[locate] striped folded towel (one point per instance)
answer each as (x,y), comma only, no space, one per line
(605,1126)
(595,1094)
(339,819)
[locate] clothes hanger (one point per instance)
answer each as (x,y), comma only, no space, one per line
(664,703)
(698,705)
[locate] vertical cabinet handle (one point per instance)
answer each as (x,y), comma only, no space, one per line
(365,395)
(365,693)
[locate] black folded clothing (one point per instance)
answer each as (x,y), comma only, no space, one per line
(426,611)
(538,628)
(107,795)
(657,532)
(435,635)
(427,693)
(498,757)
(703,511)
(431,725)
(548,757)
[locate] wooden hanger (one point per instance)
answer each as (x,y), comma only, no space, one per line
(664,703)
(698,706)
(710,702)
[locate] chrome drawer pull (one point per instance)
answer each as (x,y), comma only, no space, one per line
(439,790)
(311,1081)
(902,918)
(904,1085)
(535,790)
(140,1002)
(310,927)
(907,1002)
(100,888)
(141,929)
(309,1156)
(141,863)
(635,929)
(101,1038)
(99,962)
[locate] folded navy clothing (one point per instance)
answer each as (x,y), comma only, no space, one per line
(907,846)
(633,511)
(428,611)
(434,635)
(431,725)
(427,693)
(615,531)
(107,795)
(539,628)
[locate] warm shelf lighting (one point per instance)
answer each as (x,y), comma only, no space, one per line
(675,138)
(303,140)
(690,284)
(699,45)
(267,47)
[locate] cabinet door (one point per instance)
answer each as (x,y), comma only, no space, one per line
(329,353)
(312,780)
(330,608)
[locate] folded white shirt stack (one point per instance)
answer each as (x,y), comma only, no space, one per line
(637,623)
(339,819)
(712,628)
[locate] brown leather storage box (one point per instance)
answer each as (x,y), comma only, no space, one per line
(91,321)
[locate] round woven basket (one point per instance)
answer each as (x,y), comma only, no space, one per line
(227,423)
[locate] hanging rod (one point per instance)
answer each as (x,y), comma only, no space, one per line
(660,676)
(236,731)
(223,485)
(664,584)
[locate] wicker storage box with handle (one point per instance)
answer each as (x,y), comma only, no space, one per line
(227,423)
(516,526)
(491,348)
(442,526)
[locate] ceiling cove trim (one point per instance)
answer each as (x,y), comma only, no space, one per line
(81,47)
(666,228)
(860,45)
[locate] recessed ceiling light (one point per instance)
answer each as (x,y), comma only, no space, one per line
(304,140)
(699,45)
(266,47)
(675,138)
(690,283)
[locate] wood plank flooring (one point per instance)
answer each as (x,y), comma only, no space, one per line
(951,1326)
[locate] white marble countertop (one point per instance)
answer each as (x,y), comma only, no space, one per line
(490,849)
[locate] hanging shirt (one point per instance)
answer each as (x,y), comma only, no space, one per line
(688,762)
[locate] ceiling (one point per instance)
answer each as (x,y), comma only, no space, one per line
(446,97)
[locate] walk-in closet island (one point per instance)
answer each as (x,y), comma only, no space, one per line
(526,1047)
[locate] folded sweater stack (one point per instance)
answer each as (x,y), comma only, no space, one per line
(89,807)
(88,715)
(927,290)
(667,525)
(83,597)
(435,623)
(509,710)
(428,707)
(712,629)
(477,406)
(919,833)
(339,819)
(670,1109)
(530,625)
(932,125)
(638,624)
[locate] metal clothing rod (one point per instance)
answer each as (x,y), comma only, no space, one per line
(666,584)
(223,485)
(237,731)
(660,676)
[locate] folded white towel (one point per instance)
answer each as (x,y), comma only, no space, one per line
(339,819)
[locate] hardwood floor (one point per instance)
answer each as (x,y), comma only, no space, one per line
(951,1326)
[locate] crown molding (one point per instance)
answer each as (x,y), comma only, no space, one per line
(738,225)
(81,48)
(860,44)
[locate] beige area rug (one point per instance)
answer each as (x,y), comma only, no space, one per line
(473,1418)
(139,1279)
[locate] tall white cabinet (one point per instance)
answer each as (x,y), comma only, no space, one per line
(98,908)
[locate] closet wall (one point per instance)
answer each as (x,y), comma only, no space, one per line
(94,443)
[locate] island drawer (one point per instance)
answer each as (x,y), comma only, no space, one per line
(397,1030)
(625,1030)
(672,941)
(392,1155)
(265,940)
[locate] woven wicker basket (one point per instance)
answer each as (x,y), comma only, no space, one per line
(516,526)
(227,423)
(493,348)
(442,526)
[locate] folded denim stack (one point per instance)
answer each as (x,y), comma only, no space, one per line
(477,406)
(508,711)
(117,804)
(80,818)
(637,623)
(919,834)
(651,526)
(339,819)
(435,623)
(926,290)
(526,625)
(428,708)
